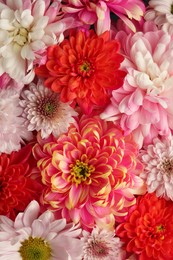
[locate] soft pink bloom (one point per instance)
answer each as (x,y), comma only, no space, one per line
(98,12)
(7,82)
(91,173)
(158,171)
(143,105)
(33,234)
(102,244)
(27,27)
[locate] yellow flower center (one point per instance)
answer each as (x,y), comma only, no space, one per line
(20,36)
(81,171)
(84,68)
(35,249)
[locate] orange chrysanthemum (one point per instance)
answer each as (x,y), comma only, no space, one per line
(148,230)
(84,69)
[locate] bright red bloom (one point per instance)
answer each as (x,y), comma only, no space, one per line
(148,230)
(84,68)
(17,188)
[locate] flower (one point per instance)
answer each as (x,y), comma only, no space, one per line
(27,28)
(83,69)
(102,244)
(161,12)
(90,173)
(42,237)
(42,110)
(143,105)
(17,187)
(7,83)
(12,130)
(98,12)
(158,172)
(148,230)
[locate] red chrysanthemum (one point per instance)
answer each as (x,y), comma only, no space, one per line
(84,69)
(17,188)
(148,230)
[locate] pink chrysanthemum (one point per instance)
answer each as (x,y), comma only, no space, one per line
(98,12)
(43,111)
(27,28)
(158,171)
(7,83)
(102,244)
(42,237)
(90,173)
(143,105)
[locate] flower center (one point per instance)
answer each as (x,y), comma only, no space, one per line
(98,249)
(172,9)
(20,36)
(81,171)
(85,68)
(35,249)
(47,107)
(166,166)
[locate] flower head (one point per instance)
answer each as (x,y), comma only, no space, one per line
(90,173)
(143,105)
(148,230)
(27,28)
(102,244)
(98,12)
(42,237)
(83,69)
(17,187)
(12,130)
(42,110)
(158,167)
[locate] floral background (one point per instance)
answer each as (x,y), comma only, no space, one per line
(86,123)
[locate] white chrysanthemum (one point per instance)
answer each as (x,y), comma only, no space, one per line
(12,130)
(26,29)
(102,244)
(43,111)
(32,237)
(158,171)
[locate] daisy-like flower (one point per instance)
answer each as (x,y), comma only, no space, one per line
(97,12)
(12,131)
(84,68)
(90,173)
(158,171)
(143,105)
(42,237)
(17,184)
(148,230)
(42,110)
(26,29)
(102,244)
(161,12)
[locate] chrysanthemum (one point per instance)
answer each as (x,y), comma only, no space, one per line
(143,105)
(161,12)
(158,171)
(42,237)
(148,230)
(84,68)
(7,83)
(12,130)
(90,173)
(97,12)
(102,244)
(17,187)
(42,110)
(26,29)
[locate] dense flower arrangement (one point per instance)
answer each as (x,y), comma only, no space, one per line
(86,136)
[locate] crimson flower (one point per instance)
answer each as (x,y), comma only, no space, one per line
(148,230)
(84,69)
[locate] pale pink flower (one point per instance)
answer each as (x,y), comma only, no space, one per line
(161,12)
(102,244)
(32,235)
(143,105)
(7,82)
(98,12)
(91,173)
(27,27)
(43,111)
(12,129)
(158,167)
